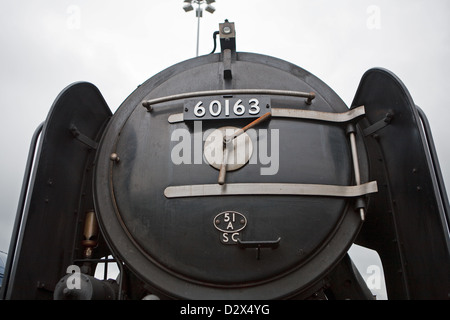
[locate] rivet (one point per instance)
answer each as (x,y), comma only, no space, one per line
(114,157)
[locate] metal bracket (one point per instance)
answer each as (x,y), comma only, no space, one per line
(83,138)
(277,189)
(227,75)
(273,244)
(378,125)
(227,36)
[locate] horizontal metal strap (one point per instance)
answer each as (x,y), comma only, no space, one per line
(176,117)
(233,189)
(301,114)
(309,95)
(318,115)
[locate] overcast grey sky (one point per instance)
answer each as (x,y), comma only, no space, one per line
(116,45)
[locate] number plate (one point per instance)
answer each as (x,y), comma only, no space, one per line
(210,108)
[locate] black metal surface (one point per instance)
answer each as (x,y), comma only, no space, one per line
(346,283)
(172,243)
(56,199)
(407,223)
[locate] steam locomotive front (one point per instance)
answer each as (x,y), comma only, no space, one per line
(232,175)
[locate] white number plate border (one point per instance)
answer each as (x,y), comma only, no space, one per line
(226,108)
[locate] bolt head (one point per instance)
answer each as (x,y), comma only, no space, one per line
(226,30)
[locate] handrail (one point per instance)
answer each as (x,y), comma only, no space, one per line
(20,209)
